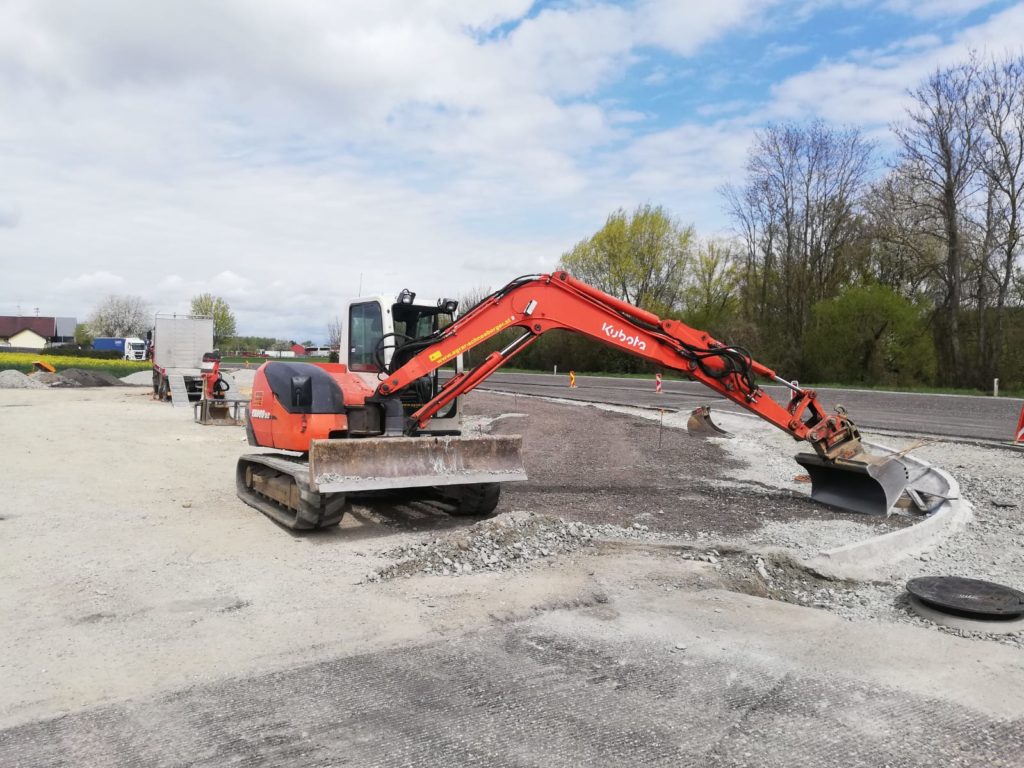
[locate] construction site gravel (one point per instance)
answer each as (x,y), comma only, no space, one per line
(645,598)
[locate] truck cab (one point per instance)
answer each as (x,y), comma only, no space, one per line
(374,333)
(131,348)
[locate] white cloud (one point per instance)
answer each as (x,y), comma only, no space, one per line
(282,154)
(683,27)
(870,89)
(91,282)
(928,9)
(10,215)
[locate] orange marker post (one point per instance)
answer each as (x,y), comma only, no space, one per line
(572,379)
(1018,436)
(657,383)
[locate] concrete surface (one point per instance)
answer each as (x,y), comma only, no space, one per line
(152,619)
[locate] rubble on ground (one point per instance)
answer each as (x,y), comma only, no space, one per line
(499,544)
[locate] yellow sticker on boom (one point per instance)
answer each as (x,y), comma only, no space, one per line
(435,356)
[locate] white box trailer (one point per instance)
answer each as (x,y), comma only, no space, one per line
(179,343)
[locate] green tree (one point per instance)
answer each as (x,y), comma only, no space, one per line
(640,257)
(869,334)
(711,296)
(208,305)
(82,336)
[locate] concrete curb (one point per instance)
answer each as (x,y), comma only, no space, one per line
(862,560)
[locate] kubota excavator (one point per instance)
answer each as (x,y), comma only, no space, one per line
(385,419)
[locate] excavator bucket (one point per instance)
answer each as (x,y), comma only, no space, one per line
(870,485)
(700,424)
(381,463)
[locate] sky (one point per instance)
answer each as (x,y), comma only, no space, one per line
(289,155)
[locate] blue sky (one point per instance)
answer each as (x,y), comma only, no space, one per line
(280,154)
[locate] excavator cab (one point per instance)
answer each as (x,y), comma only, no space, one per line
(380,336)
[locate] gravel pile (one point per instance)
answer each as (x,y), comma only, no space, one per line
(510,541)
(18,380)
(52,379)
(83,378)
(138,379)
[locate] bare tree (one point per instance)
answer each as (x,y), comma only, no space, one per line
(119,316)
(940,143)
(1001,113)
(334,334)
(797,215)
(905,253)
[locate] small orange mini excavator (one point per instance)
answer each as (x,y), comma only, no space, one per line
(385,419)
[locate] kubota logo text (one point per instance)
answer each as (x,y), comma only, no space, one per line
(620,335)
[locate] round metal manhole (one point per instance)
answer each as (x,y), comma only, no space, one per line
(969,598)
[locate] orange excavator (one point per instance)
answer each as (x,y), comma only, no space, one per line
(386,419)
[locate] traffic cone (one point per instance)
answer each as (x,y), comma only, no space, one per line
(1018,436)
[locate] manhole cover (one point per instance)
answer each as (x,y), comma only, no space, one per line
(971,598)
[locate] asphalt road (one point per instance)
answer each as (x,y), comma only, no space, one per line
(960,416)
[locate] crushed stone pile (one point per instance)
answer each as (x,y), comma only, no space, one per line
(52,379)
(498,544)
(83,378)
(139,378)
(18,380)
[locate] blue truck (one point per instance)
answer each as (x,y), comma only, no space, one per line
(131,348)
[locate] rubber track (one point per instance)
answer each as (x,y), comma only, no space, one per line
(315,510)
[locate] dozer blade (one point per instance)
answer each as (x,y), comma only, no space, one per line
(700,424)
(380,463)
(870,486)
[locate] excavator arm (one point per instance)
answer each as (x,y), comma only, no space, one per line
(541,303)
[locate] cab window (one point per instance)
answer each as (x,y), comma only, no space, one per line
(365,330)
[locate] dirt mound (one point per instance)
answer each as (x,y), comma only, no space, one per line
(83,378)
(52,379)
(18,380)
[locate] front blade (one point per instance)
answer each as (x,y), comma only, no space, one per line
(381,463)
(870,487)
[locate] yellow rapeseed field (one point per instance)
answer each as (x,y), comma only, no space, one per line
(22,361)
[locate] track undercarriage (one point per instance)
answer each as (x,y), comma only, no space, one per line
(307,492)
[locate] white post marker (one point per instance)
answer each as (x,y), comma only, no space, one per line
(995,387)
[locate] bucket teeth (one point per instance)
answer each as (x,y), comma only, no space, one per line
(700,424)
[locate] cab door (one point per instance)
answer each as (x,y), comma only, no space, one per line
(368,320)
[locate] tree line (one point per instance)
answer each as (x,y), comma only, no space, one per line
(846,266)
